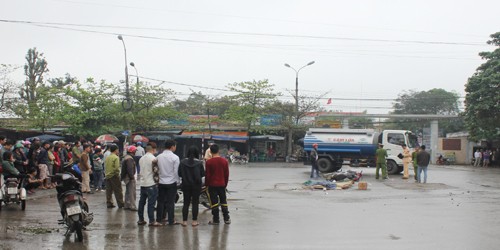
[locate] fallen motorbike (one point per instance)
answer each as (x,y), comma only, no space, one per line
(74,209)
(204,200)
(12,191)
(349,174)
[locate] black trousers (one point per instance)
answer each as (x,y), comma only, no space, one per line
(166,202)
(191,196)
(218,198)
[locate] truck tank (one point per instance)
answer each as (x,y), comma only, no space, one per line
(356,141)
(336,144)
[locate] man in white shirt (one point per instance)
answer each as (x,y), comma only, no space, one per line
(477,158)
(168,165)
(149,189)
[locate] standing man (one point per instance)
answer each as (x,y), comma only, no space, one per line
(406,161)
(414,161)
(128,177)
(98,169)
(423,159)
(168,165)
(477,158)
(149,188)
(381,155)
(208,154)
(42,160)
(113,184)
(314,161)
(216,179)
(85,168)
(138,154)
(75,151)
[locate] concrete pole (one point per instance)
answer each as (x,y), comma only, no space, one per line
(434,140)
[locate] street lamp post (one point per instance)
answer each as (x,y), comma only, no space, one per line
(297,89)
(137,78)
(127,103)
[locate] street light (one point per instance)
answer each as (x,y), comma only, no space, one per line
(127,102)
(137,77)
(297,89)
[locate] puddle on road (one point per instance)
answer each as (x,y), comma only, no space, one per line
(417,186)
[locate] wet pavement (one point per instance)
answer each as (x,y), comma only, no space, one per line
(457,209)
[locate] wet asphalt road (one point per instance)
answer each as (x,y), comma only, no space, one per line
(457,209)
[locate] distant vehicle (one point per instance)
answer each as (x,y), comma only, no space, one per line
(357,145)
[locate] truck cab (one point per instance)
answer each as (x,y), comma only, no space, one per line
(393,141)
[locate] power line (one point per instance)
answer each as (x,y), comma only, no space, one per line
(49,24)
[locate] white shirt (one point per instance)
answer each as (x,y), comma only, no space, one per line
(146,176)
(106,154)
(140,152)
(168,164)
(477,154)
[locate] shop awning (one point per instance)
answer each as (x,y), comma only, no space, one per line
(219,135)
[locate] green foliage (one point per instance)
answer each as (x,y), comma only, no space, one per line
(482,100)
(360,122)
(150,106)
(252,99)
(91,109)
(434,101)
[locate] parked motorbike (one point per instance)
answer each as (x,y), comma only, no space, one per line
(12,191)
(240,159)
(442,161)
(74,210)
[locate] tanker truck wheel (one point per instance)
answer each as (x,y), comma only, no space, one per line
(325,165)
(392,167)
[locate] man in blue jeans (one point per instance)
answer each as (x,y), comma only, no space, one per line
(149,188)
(423,159)
(168,166)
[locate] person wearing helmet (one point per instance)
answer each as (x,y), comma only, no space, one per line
(314,161)
(128,176)
(21,161)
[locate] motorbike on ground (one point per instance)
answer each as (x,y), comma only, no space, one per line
(204,200)
(12,191)
(74,209)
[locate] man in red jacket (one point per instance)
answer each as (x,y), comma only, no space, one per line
(216,179)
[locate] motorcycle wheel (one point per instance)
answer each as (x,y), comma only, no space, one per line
(23,205)
(79,231)
(205,204)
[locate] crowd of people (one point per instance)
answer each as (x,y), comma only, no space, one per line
(159,175)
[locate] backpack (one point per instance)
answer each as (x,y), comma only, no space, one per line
(156,172)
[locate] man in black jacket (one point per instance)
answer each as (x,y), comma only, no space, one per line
(423,159)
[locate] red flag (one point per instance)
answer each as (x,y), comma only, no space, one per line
(329,101)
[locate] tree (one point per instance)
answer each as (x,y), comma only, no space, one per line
(91,108)
(434,101)
(7,88)
(482,100)
(34,69)
(252,98)
(150,104)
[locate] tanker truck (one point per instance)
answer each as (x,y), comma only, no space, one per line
(357,145)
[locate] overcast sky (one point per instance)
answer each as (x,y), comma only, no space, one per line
(363,49)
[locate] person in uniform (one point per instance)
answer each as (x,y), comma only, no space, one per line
(414,160)
(381,155)
(406,161)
